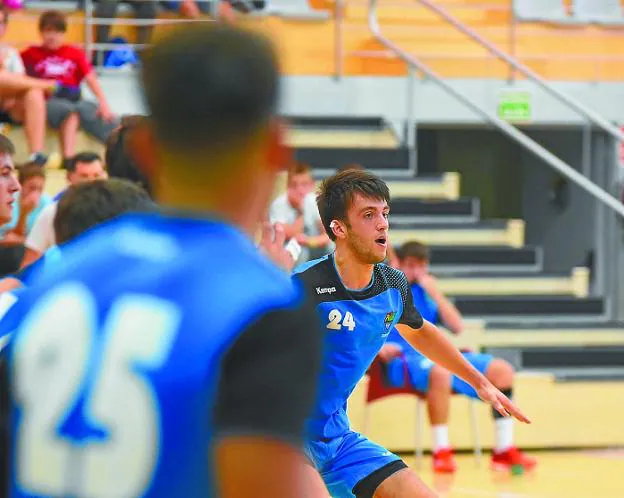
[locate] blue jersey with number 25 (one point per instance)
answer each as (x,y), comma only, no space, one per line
(115,356)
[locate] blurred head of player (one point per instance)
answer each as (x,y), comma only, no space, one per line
(414,260)
(52,28)
(9,185)
(120,162)
(216,146)
(85,205)
(300,183)
(85,167)
(353,205)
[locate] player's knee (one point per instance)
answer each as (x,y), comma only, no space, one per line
(439,378)
(500,373)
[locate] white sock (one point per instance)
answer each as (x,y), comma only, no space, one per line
(504,434)
(440,437)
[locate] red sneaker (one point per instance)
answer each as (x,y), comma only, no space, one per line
(512,460)
(444,461)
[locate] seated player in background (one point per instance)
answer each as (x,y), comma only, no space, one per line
(359,301)
(436,381)
(175,316)
(83,167)
(296,209)
(29,202)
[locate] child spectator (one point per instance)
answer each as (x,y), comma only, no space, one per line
(68,66)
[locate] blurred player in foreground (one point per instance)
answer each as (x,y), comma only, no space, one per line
(359,301)
(165,356)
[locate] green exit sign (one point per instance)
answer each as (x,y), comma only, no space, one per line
(515,106)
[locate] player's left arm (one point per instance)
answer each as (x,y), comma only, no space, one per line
(433,343)
(267,390)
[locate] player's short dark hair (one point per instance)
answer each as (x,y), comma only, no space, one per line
(85,205)
(53,20)
(81,157)
(29,170)
(6,146)
(414,249)
(119,163)
(209,86)
(298,168)
(336,194)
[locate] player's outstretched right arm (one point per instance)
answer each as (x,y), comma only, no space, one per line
(267,389)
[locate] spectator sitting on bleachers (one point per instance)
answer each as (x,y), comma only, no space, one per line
(436,382)
(9,186)
(22,98)
(297,211)
(67,111)
(28,203)
(83,167)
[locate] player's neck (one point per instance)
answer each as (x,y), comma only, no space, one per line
(209,202)
(353,273)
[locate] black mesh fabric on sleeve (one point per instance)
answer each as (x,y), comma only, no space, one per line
(269,376)
(410,316)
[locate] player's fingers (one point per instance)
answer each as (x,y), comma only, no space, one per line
(280,235)
(499,407)
(267,235)
(515,411)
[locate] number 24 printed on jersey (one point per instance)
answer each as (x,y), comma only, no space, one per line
(336,321)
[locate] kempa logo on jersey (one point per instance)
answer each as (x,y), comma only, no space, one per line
(325,290)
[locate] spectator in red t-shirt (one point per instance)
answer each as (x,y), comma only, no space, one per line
(68,66)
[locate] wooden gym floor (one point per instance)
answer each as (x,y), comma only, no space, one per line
(565,474)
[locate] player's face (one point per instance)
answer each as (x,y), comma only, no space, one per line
(367,230)
(414,268)
(87,172)
(9,186)
(33,187)
(298,187)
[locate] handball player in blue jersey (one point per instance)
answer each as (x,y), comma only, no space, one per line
(359,300)
(164,356)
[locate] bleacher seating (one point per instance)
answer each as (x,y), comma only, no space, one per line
(554,43)
(600,11)
(541,11)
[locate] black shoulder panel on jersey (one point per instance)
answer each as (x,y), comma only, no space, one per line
(396,279)
(269,376)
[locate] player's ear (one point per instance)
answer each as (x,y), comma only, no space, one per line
(279,154)
(338,229)
(141,145)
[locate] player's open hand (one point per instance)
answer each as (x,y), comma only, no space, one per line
(272,243)
(501,403)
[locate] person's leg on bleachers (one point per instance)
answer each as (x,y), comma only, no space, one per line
(15,85)
(105,9)
(30,109)
(144,10)
(93,123)
(63,116)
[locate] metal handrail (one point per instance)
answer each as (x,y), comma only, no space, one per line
(572,103)
(509,130)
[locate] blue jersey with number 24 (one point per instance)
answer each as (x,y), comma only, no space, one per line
(356,323)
